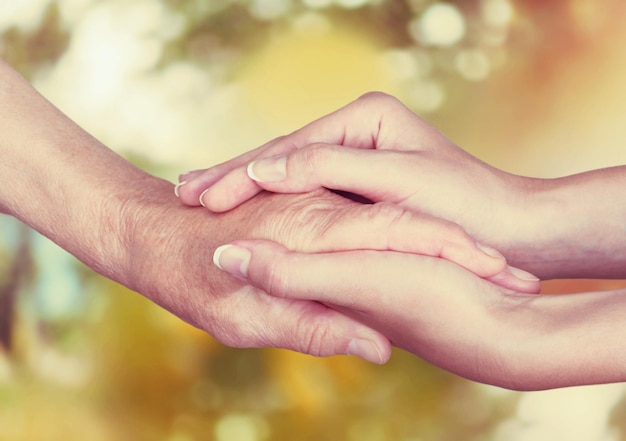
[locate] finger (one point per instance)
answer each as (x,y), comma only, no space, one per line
(192,184)
(387,226)
(517,280)
(196,188)
(187,176)
(356,125)
(229,191)
(324,277)
(416,300)
(298,325)
(235,187)
(376,175)
(373,121)
(189,190)
(348,279)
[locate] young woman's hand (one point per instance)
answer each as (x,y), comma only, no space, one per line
(569,227)
(448,316)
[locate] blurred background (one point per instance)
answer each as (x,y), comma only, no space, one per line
(533,87)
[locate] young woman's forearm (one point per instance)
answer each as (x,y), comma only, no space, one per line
(566,340)
(574,227)
(377,148)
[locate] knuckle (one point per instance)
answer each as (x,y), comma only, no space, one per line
(388,213)
(380,101)
(389,219)
(314,155)
(394,223)
(314,338)
(454,234)
(278,146)
(454,231)
(377,98)
(274,279)
(298,221)
(452,241)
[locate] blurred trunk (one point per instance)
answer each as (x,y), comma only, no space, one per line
(9,288)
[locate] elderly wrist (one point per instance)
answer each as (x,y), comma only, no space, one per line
(133,221)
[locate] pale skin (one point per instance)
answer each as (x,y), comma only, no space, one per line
(129,226)
(556,228)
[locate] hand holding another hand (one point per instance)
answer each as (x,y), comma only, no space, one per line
(173,247)
(414,165)
(449,316)
(427,306)
(489,332)
(397,160)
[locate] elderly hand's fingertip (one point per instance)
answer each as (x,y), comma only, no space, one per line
(366,350)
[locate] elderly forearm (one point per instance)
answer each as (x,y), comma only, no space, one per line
(130,227)
(61,181)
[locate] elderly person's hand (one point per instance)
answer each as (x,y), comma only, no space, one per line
(172,247)
(130,227)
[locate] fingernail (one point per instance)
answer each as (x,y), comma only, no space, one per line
(268,169)
(523,275)
(232,259)
(492,252)
(366,350)
(202,197)
(180,184)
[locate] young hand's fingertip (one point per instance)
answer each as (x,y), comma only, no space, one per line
(268,169)
(202,196)
(177,188)
(522,275)
(523,281)
(250,172)
(183,176)
(232,259)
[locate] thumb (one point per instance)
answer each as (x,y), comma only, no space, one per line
(300,325)
(378,175)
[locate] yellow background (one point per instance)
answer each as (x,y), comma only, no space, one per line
(175,85)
